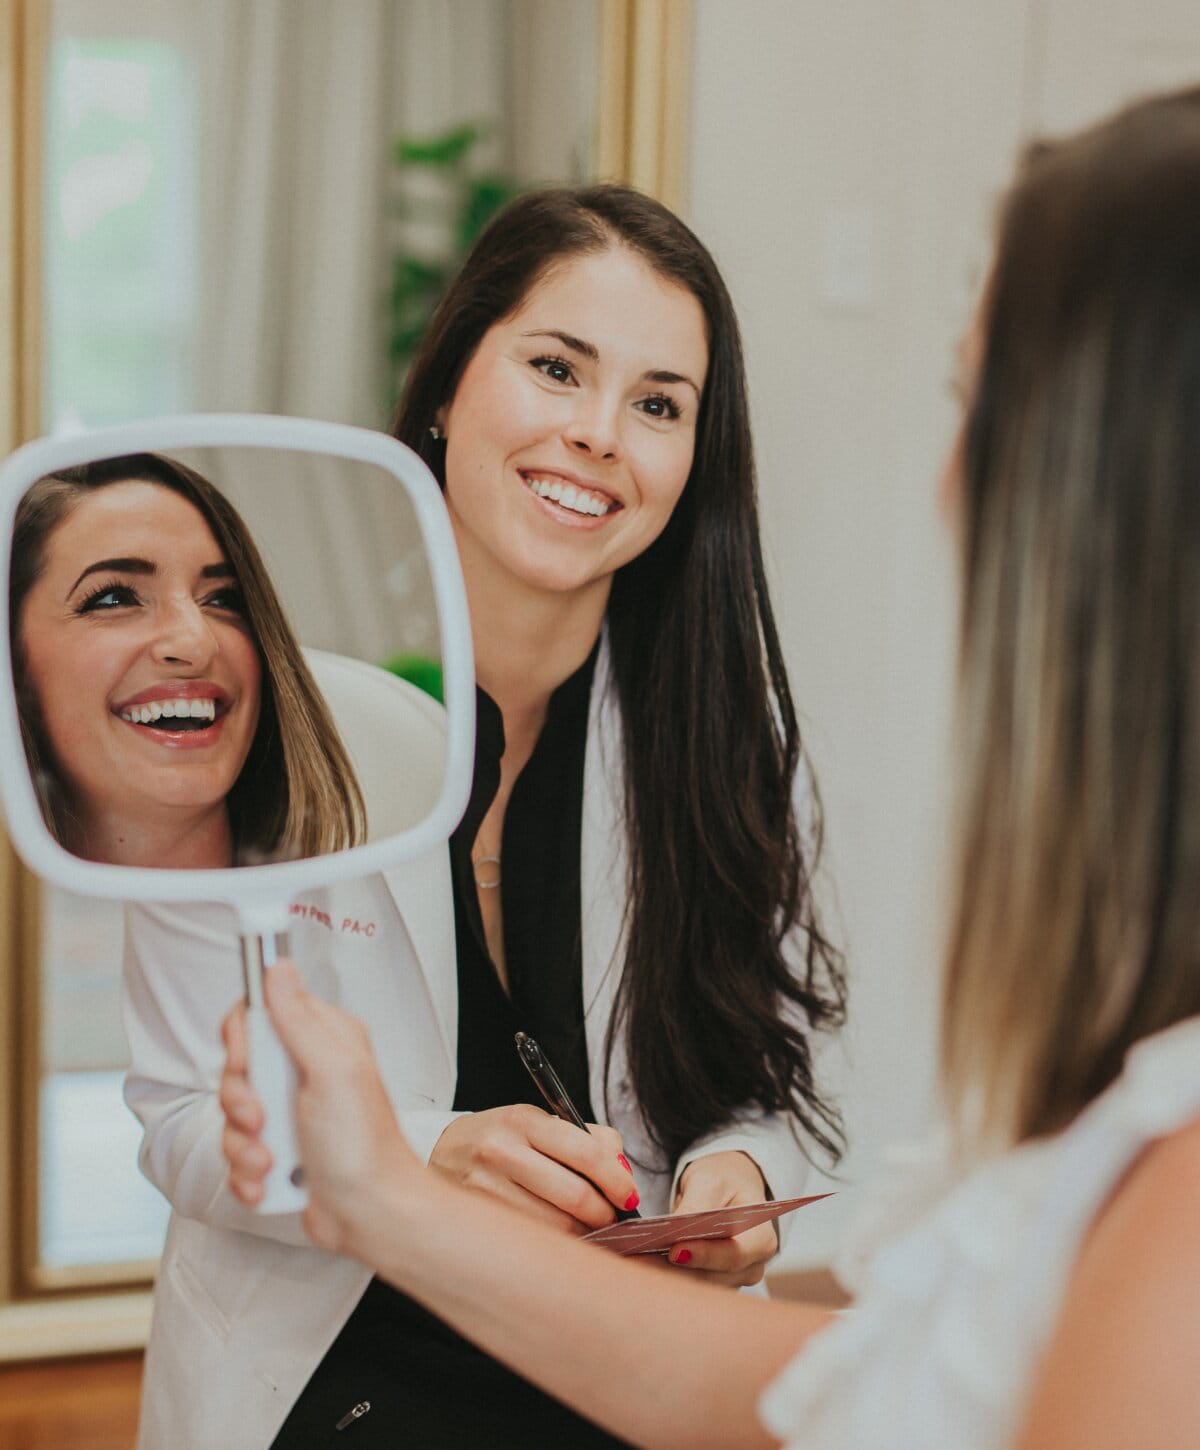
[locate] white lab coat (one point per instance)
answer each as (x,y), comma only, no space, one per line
(244,1307)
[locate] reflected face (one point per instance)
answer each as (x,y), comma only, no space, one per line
(571,435)
(142,664)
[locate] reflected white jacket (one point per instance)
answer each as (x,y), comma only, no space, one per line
(244,1307)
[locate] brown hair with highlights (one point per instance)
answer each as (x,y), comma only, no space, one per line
(1077,924)
(296,794)
(721,874)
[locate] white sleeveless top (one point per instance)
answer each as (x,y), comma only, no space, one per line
(952,1315)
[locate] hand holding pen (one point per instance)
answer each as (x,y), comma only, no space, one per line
(550,1086)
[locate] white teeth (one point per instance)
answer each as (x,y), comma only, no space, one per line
(567,496)
(170,710)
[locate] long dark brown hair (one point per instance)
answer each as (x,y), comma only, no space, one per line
(727,969)
(1077,920)
(296,794)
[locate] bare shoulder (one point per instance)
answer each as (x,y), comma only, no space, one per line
(1121,1365)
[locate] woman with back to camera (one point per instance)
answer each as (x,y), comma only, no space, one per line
(1042,1293)
(630,883)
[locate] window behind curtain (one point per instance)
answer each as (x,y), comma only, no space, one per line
(119,231)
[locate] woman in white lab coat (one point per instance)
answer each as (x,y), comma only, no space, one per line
(631,882)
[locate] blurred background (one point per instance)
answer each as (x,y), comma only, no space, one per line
(210,208)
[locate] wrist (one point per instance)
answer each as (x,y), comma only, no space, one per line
(404,1228)
(379,1217)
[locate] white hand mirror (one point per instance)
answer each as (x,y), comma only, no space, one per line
(201,692)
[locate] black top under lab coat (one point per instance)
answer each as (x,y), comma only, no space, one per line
(426,1385)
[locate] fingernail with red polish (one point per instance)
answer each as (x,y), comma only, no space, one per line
(624,1162)
(631,1202)
(684,1256)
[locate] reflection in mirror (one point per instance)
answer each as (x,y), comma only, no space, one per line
(169,715)
(209,649)
(343,547)
(342,543)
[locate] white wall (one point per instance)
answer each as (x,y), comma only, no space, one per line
(846,156)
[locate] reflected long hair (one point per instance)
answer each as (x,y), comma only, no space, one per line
(296,794)
(716,1014)
(1077,924)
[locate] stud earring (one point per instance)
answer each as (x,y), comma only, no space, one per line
(435,432)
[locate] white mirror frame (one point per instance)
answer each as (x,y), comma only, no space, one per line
(261,894)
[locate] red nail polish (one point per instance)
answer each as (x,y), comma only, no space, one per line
(684,1256)
(624,1162)
(631,1202)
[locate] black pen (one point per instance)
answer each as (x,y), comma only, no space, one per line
(550,1086)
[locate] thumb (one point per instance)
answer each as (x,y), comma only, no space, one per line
(291,1009)
(697,1189)
(683,1199)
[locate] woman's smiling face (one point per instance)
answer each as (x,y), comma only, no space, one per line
(135,647)
(571,434)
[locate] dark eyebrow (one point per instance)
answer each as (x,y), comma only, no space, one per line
(662,376)
(144,566)
(590,351)
(576,344)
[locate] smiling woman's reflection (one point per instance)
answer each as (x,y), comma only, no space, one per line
(168,714)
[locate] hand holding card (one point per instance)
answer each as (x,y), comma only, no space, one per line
(658,1235)
(632,1234)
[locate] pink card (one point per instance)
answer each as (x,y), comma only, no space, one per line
(657,1235)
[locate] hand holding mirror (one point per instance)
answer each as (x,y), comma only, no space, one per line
(164,739)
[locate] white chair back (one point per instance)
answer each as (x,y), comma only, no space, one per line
(394,733)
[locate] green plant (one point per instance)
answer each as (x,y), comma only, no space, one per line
(464,202)
(418,670)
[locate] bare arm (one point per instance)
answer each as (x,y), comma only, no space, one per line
(1121,1367)
(657,1358)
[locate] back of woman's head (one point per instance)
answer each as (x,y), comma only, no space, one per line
(1077,925)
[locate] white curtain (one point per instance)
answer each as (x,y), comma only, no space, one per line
(301,100)
(284,222)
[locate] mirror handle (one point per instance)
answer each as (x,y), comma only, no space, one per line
(273,1078)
